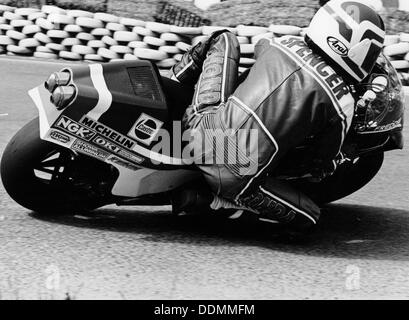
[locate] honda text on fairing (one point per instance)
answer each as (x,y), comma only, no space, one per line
(95,140)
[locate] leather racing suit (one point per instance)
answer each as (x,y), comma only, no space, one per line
(290,98)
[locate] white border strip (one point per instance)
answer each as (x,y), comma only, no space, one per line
(226,56)
(44,125)
(160,158)
(104,95)
(184,69)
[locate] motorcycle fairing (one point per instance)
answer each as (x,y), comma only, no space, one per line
(97,123)
(149,181)
(124,103)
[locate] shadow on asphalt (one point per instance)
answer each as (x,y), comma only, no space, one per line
(345,231)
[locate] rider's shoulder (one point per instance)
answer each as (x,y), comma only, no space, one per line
(318,76)
(313,65)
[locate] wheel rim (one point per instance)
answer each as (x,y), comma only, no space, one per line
(52,169)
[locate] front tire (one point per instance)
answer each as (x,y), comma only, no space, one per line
(48,178)
(348,178)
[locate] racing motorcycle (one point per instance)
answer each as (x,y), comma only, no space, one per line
(93,142)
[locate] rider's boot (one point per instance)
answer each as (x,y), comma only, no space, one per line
(277,202)
(191,200)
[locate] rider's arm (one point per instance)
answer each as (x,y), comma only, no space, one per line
(328,153)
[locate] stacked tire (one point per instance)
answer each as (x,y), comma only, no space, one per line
(77,35)
(248,37)
(14,31)
(52,32)
(397,49)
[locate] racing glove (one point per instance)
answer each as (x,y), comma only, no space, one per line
(322,170)
(188,70)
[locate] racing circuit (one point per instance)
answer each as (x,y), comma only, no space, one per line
(360,250)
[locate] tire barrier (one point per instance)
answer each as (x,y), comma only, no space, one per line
(172,14)
(77,35)
(397,49)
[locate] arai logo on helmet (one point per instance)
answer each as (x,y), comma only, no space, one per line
(337,46)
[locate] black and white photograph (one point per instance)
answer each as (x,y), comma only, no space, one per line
(218,151)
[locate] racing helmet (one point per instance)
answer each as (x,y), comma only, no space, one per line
(349,34)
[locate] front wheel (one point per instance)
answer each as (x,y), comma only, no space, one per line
(349,178)
(48,178)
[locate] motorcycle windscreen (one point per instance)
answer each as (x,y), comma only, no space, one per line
(385,113)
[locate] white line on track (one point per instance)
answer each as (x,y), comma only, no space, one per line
(39,61)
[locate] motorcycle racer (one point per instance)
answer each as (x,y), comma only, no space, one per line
(298,93)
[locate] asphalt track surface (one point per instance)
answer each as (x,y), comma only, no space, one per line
(360,250)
